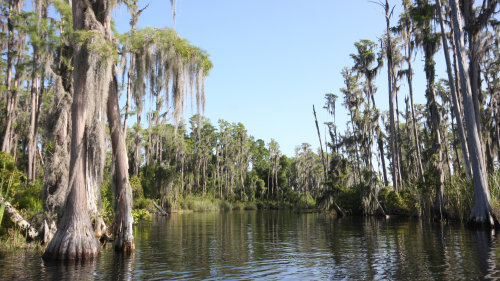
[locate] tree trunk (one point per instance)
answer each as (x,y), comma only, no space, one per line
(320,145)
(382,157)
(31,135)
(56,176)
(135,167)
(391,100)
(8,77)
(129,93)
(456,107)
(438,208)
(37,126)
(455,148)
(414,120)
(124,240)
(398,134)
(95,162)
(75,238)
(481,211)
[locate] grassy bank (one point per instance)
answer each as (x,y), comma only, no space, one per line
(417,199)
(14,240)
(205,204)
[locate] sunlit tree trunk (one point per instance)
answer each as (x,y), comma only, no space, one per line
(456,107)
(75,238)
(414,121)
(481,211)
(124,240)
(392,121)
(33,106)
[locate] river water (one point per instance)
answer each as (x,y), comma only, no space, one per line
(280,245)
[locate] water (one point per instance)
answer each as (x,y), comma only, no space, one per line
(281,245)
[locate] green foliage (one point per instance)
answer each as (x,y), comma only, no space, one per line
(29,198)
(143,203)
(459,196)
(399,203)
(349,199)
(135,184)
(65,11)
(13,240)
(203,204)
(10,179)
(250,206)
(208,203)
(138,38)
(8,169)
(382,193)
(141,215)
(107,197)
(96,43)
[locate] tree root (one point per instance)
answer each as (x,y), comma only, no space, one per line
(74,240)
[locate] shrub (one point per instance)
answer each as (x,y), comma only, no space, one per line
(141,214)
(135,185)
(250,206)
(225,205)
(107,200)
(29,198)
(10,179)
(349,199)
(237,206)
(397,205)
(143,203)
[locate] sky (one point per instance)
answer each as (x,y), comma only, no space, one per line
(274,60)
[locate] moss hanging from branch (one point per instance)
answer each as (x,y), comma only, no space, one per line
(163,57)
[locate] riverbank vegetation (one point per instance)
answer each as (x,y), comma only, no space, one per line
(59,156)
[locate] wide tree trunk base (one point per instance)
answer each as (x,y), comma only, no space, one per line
(483,218)
(126,247)
(73,240)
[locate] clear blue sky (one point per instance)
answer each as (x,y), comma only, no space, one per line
(274,59)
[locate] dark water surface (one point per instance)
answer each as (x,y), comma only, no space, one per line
(281,245)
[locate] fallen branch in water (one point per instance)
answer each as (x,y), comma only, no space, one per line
(339,211)
(160,209)
(31,232)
